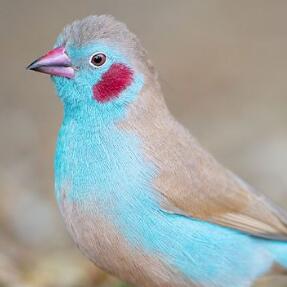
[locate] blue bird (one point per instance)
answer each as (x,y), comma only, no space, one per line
(139,195)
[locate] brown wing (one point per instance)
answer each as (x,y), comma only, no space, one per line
(196,185)
(237,206)
(222,199)
(190,179)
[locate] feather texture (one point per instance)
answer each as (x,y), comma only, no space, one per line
(139,195)
(193,182)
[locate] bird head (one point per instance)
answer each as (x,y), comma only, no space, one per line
(96,64)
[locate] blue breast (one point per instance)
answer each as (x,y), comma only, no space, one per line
(109,167)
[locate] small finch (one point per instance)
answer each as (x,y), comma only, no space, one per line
(139,195)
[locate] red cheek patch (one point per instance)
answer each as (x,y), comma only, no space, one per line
(113,82)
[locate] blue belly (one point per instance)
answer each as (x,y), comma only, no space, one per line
(108,173)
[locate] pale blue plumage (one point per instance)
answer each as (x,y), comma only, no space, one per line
(104,169)
(100,161)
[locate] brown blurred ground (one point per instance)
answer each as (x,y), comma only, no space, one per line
(223,67)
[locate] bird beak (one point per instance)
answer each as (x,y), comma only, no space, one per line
(56,63)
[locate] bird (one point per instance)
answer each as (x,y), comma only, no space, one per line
(140,196)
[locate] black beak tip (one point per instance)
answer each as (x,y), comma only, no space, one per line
(33,66)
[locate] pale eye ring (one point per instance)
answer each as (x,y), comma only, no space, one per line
(97,60)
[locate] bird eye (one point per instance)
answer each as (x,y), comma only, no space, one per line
(98,60)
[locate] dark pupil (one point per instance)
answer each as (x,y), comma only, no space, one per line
(98,59)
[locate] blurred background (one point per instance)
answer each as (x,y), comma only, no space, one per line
(223,68)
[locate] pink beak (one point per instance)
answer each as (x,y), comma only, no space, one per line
(56,63)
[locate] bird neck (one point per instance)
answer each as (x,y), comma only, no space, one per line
(97,151)
(97,162)
(90,118)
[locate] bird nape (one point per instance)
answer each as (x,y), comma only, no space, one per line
(139,195)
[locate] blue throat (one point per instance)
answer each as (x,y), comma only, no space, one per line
(92,152)
(103,168)
(105,171)
(97,158)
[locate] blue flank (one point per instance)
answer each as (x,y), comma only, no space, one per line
(107,172)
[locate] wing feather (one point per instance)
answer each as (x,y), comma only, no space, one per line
(191,182)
